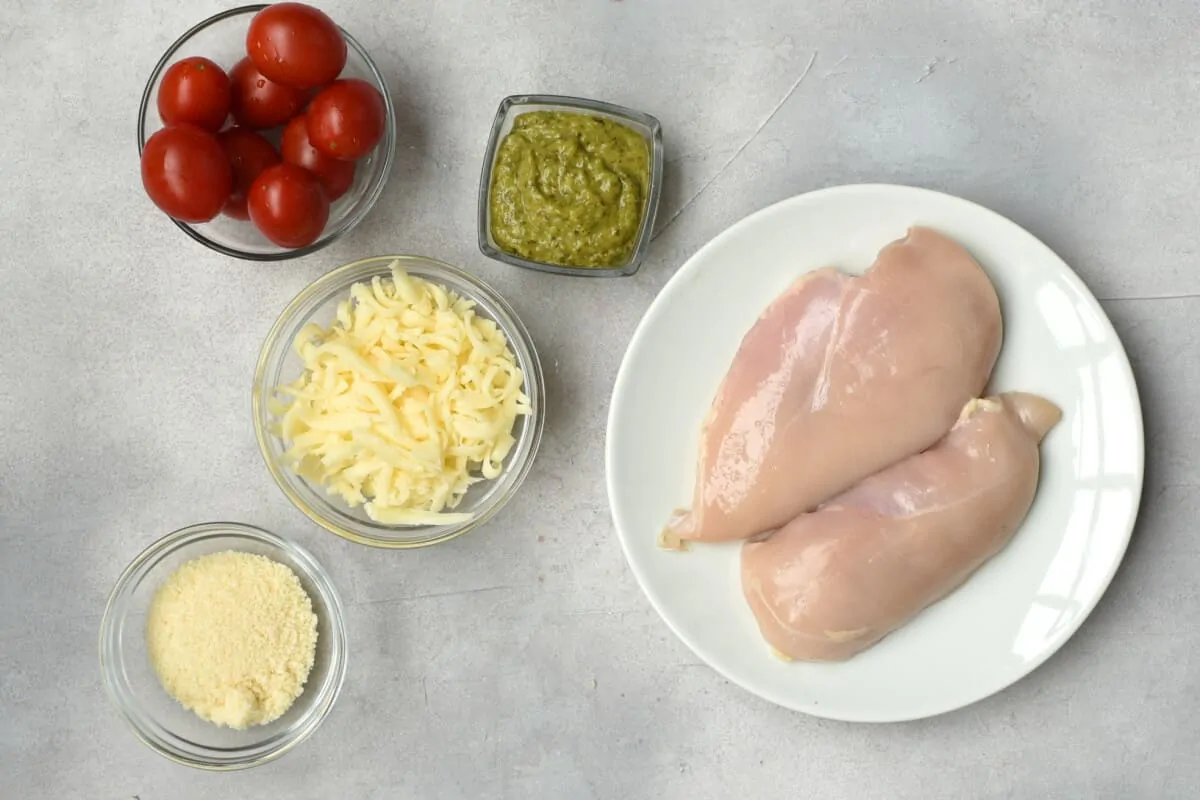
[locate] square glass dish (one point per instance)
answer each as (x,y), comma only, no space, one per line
(644,124)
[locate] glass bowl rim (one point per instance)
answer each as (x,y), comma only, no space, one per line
(654,141)
(370,197)
(116,607)
(334,283)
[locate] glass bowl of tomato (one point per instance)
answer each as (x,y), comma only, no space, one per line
(262,110)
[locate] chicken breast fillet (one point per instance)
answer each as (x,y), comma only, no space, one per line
(840,377)
(835,581)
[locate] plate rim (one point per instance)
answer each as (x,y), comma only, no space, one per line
(689,267)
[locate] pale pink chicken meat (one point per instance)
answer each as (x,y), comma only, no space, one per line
(835,581)
(840,377)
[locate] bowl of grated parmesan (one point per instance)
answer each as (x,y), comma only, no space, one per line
(398,402)
(223,646)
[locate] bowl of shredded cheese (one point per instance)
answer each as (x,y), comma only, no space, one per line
(398,402)
(223,646)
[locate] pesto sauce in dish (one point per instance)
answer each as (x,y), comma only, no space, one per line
(569,189)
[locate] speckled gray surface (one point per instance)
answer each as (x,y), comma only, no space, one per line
(522,661)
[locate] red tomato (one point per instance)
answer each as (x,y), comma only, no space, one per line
(249,154)
(296,45)
(346,119)
(257,102)
(288,205)
(194,90)
(335,175)
(186,173)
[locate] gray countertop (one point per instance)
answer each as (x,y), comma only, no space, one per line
(522,661)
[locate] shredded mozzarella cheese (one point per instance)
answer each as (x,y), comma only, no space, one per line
(406,400)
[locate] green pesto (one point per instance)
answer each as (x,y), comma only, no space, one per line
(569,189)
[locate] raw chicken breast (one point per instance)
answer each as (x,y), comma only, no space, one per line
(835,581)
(840,377)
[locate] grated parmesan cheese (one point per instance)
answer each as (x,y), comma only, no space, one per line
(406,400)
(232,637)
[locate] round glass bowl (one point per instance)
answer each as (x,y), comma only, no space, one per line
(222,38)
(279,365)
(162,723)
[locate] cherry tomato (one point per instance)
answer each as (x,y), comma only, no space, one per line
(186,173)
(335,175)
(346,119)
(249,154)
(194,90)
(296,45)
(288,205)
(257,102)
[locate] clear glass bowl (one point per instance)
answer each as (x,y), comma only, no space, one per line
(162,723)
(514,106)
(222,38)
(278,365)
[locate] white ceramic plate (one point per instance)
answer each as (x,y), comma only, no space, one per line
(1021,606)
